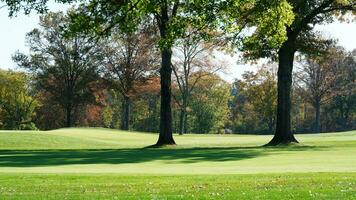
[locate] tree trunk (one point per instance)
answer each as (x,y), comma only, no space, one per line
(183,115)
(270,126)
(126,109)
(182,121)
(165,132)
(69,116)
(317,127)
(283,133)
(153,113)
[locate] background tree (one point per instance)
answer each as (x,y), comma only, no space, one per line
(148,100)
(192,61)
(209,111)
(253,107)
(260,89)
(318,77)
(129,59)
(340,110)
(63,67)
(17,101)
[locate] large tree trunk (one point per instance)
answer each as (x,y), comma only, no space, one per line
(317,127)
(165,132)
(126,109)
(283,133)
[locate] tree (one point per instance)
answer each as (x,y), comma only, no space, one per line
(209,109)
(147,111)
(15,6)
(129,58)
(295,35)
(63,67)
(318,77)
(171,19)
(192,61)
(341,108)
(17,101)
(260,89)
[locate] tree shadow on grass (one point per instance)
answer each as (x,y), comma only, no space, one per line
(38,158)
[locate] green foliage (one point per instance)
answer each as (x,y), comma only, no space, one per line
(107,116)
(273,21)
(258,28)
(255,103)
(209,111)
(17,103)
(63,67)
(269,18)
(112,111)
(146,113)
(26,6)
(172,18)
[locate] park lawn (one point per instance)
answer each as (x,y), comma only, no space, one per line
(114,186)
(109,164)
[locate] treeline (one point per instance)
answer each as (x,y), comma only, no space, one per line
(74,80)
(323,95)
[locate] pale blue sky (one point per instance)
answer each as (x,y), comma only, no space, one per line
(13,30)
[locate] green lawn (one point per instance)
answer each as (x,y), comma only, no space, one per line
(109,164)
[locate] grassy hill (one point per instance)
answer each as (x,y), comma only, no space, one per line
(85,163)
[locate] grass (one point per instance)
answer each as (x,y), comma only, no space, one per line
(109,164)
(272,186)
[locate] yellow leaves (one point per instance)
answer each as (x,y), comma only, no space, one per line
(16,105)
(273,22)
(343,2)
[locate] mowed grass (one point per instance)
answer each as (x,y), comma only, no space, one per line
(103,186)
(95,163)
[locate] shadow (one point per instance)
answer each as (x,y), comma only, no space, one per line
(37,158)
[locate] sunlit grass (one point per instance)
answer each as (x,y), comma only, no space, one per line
(101,163)
(258,186)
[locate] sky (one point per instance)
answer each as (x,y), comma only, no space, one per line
(13,31)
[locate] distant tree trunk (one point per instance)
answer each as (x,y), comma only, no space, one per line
(165,133)
(270,126)
(153,113)
(69,116)
(126,109)
(183,116)
(182,121)
(186,123)
(317,127)
(283,133)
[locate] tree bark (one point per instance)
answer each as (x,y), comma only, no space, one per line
(165,132)
(283,133)
(125,120)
